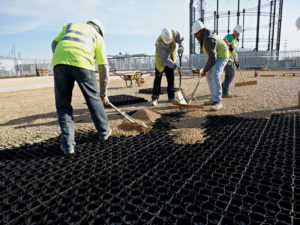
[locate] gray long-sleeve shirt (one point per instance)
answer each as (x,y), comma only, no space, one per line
(163,54)
(210,47)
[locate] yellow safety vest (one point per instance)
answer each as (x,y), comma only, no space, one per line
(222,49)
(78,45)
(159,63)
(234,43)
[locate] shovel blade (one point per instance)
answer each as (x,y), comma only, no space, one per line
(254,82)
(181,97)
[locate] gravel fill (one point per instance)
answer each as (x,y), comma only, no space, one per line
(29,116)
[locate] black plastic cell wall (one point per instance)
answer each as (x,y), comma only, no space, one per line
(246,172)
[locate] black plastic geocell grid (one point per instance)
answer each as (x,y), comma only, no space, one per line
(246,172)
(163,90)
(119,100)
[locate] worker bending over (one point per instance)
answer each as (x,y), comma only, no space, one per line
(217,57)
(165,58)
(232,42)
(75,49)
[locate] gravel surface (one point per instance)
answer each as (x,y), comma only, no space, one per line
(29,116)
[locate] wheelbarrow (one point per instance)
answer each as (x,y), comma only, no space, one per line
(128,77)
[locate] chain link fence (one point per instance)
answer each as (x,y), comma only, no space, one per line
(286,60)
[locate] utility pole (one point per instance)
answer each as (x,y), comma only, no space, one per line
(270,23)
(228,21)
(279,28)
(257,26)
(217,17)
(192,50)
(201,10)
(238,13)
(243,27)
(273,29)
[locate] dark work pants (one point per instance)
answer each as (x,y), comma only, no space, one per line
(64,78)
(157,83)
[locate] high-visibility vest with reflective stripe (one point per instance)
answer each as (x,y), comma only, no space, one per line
(159,63)
(234,43)
(222,49)
(76,46)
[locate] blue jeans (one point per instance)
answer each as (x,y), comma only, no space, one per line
(64,78)
(229,75)
(213,79)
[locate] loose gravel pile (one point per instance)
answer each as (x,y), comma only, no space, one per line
(29,116)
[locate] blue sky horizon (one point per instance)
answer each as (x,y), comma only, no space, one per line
(131,26)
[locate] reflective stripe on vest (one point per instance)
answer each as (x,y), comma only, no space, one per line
(159,63)
(221,47)
(88,42)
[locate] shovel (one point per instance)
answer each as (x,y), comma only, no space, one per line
(180,94)
(187,105)
(133,123)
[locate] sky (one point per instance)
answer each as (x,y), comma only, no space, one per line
(131,26)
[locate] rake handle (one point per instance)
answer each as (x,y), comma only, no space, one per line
(180,57)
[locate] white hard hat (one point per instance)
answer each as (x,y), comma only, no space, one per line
(298,23)
(166,36)
(239,29)
(98,24)
(197,26)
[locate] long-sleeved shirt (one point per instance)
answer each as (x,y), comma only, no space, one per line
(210,47)
(163,54)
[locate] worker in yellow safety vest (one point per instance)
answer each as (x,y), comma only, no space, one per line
(231,41)
(217,56)
(74,51)
(165,59)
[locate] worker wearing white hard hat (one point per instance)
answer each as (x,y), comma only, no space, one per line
(217,56)
(232,42)
(74,52)
(165,62)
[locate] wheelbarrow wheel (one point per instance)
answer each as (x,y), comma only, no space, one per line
(140,81)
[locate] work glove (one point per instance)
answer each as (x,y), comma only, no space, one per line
(178,69)
(180,51)
(105,100)
(230,48)
(202,74)
(237,65)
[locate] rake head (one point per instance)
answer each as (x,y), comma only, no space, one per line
(246,83)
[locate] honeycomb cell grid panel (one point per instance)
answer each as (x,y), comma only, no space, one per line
(119,100)
(246,172)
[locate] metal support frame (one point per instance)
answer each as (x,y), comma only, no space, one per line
(273,28)
(217,23)
(257,26)
(228,22)
(238,13)
(243,27)
(270,25)
(279,28)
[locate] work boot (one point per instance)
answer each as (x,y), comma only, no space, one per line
(172,100)
(209,102)
(105,137)
(154,102)
(227,96)
(67,151)
(216,106)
